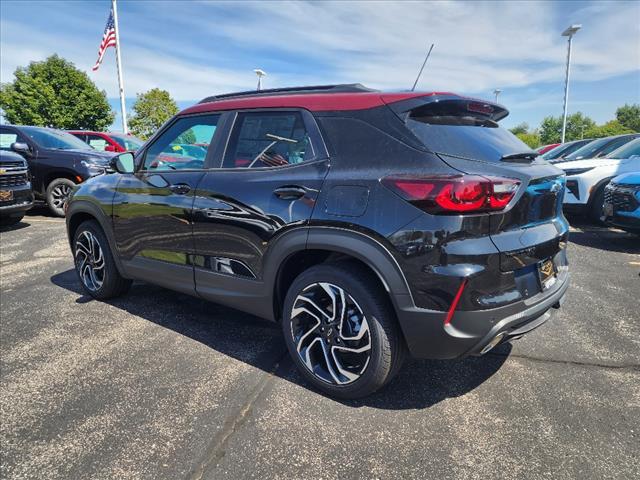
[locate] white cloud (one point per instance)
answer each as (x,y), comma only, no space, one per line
(479,46)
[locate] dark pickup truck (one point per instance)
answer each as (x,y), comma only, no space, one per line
(16,196)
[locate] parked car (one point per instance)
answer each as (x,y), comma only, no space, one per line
(586,179)
(326,209)
(546,148)
(565,149)
(15,188)
(622,202)
(57,161)
(109,142)
(598,148)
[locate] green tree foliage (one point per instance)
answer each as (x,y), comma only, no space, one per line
(613,127)
(54,93)
(151,110)
(629,116)
(577,127)
(521,128)
(531,139)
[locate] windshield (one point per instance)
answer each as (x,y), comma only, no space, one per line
(466,137)
(564,149)
(599,148)
(627,150)
(127,142)
(55,139)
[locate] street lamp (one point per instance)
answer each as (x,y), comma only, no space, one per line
(260,73)
(569,32)
(497,92)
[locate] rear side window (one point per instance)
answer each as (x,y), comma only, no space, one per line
(268,139)
(458,131)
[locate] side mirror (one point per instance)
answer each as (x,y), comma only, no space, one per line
(123,163)
(21,148)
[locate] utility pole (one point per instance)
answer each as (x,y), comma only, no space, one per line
(125,128)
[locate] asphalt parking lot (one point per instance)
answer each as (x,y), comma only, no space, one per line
(159,385)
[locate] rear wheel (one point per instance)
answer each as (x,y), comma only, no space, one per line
(341,330)
(94,262)
(58,192)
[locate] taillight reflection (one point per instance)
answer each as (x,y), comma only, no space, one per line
(454,194)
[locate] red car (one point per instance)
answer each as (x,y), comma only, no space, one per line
(109,142)
(546,148)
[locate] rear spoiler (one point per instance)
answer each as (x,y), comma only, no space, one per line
(449,104)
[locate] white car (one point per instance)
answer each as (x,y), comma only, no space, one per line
(587,178)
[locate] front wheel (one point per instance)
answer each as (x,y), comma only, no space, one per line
(341,331)
(58,192)
(597,206)
(94,263)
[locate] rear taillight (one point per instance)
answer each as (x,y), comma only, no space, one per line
(454,194)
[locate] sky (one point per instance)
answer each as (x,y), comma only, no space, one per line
(195,49)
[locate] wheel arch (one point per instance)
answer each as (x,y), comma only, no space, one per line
(301,249)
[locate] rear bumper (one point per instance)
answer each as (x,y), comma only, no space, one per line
(471,331)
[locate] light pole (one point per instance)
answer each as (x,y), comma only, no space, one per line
(497,92)
(569,32)
(260,73)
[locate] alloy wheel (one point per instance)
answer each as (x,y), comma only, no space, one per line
(331,333)
(90,261)
(60,195)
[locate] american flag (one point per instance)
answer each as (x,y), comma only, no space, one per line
(108,39)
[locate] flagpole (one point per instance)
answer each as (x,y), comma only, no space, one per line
(119,65)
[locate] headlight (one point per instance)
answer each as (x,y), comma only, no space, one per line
(577,171)
(95,167)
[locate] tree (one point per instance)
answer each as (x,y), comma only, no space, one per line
(629,116)
(531,139)
(577,126)
(54,93)
(151,110)
(520,128)
(612,127)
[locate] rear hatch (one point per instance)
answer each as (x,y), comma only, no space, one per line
(465,134)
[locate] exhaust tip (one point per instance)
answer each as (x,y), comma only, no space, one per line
(494,341)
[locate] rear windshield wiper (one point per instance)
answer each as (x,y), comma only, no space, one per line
(519,157)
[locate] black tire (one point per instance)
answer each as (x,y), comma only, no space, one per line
(596,209)
(9,221)
(57,194)
(111,283)
(387,346)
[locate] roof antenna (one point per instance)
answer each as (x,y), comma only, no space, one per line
(422,68)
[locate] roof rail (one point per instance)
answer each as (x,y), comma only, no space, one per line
(341,88)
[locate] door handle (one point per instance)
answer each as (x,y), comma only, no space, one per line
(290,192)
(180,188)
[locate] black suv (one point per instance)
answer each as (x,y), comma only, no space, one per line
(368,224)
(57,161)
(15,188)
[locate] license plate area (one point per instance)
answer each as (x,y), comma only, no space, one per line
(6,195)
(547,273)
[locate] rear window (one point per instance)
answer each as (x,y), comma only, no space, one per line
(464,134)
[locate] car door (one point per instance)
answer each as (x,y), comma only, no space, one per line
(152,208)
(272,167)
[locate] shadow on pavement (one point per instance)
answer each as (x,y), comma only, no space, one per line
(607,239)
(18,226)
(419,384)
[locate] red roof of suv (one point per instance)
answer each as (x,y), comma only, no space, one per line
(315,100)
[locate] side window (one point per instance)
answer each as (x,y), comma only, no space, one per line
(97,142)
(183,145)
(613,146)
(268,139)
(7,138)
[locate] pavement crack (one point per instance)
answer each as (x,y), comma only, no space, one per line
(216,448)
(633,367)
